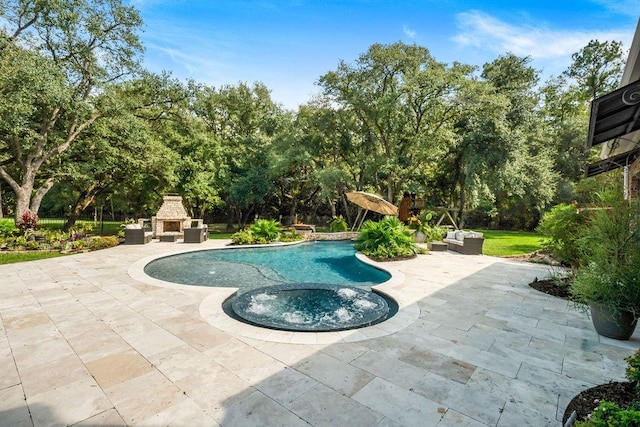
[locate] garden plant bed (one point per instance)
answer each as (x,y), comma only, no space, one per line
(396,258)
(620,393)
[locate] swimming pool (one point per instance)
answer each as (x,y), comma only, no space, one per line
(328,262)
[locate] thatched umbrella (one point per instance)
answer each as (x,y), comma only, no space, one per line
(370,202)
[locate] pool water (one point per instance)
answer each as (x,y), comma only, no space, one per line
(332,262)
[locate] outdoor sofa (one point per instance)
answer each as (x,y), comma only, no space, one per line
(464,242)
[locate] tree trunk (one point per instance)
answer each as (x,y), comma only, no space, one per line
(346,207)
(1,214)
(22,203)
(463,197)
(248,214)
(73,216)
(24,200)
(294,209)
(82,202)
(230,217)
(36,200)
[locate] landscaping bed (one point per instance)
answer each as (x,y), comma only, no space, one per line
(622,394)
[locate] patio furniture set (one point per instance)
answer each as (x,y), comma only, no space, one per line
(168,225)
(138,234)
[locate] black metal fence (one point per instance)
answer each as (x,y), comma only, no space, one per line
(100,223)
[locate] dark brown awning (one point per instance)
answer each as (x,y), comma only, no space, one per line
(614,162)
(614,115)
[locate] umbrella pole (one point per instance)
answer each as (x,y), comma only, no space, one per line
(355,222)
(362,219)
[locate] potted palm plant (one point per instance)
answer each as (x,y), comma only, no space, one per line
(417,227)
(608,275)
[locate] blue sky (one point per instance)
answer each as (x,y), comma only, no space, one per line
(289,44)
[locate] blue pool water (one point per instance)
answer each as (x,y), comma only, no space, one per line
(332,262)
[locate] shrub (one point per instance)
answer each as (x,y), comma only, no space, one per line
(633,368)
(103,242)
(55,238)
(608,414)
(434,233)
(78,244)
(32,245)
(7,227)
(338,224)
(265,230)
(86,227)
(242,237)
(29,221)
(387,238)
(77,234)
(561,227)
(17,242)
(290,236)
(609,257)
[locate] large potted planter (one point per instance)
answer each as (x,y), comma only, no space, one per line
(422,231)
(612,323)
(608,275)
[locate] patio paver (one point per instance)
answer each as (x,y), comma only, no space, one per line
(90,340)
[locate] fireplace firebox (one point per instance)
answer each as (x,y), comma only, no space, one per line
(171,226)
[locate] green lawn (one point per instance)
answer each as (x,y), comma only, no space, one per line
(220,235)
(503,243)
(13,257)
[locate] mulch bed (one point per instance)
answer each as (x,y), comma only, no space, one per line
(620,393)
(559,287)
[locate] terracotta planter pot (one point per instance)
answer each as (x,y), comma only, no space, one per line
(619,326)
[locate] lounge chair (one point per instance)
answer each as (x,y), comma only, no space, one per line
(197,233)
(136,234)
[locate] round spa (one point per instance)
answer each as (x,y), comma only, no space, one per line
(310,307)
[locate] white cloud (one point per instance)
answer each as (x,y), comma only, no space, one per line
(625,7)
(487,33)
(409,32)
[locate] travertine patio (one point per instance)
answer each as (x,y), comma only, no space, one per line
(87,340)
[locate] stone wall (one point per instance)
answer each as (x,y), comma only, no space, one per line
(344,235)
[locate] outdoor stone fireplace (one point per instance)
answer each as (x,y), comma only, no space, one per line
(171,219)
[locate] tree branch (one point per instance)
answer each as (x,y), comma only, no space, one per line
(9,180)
